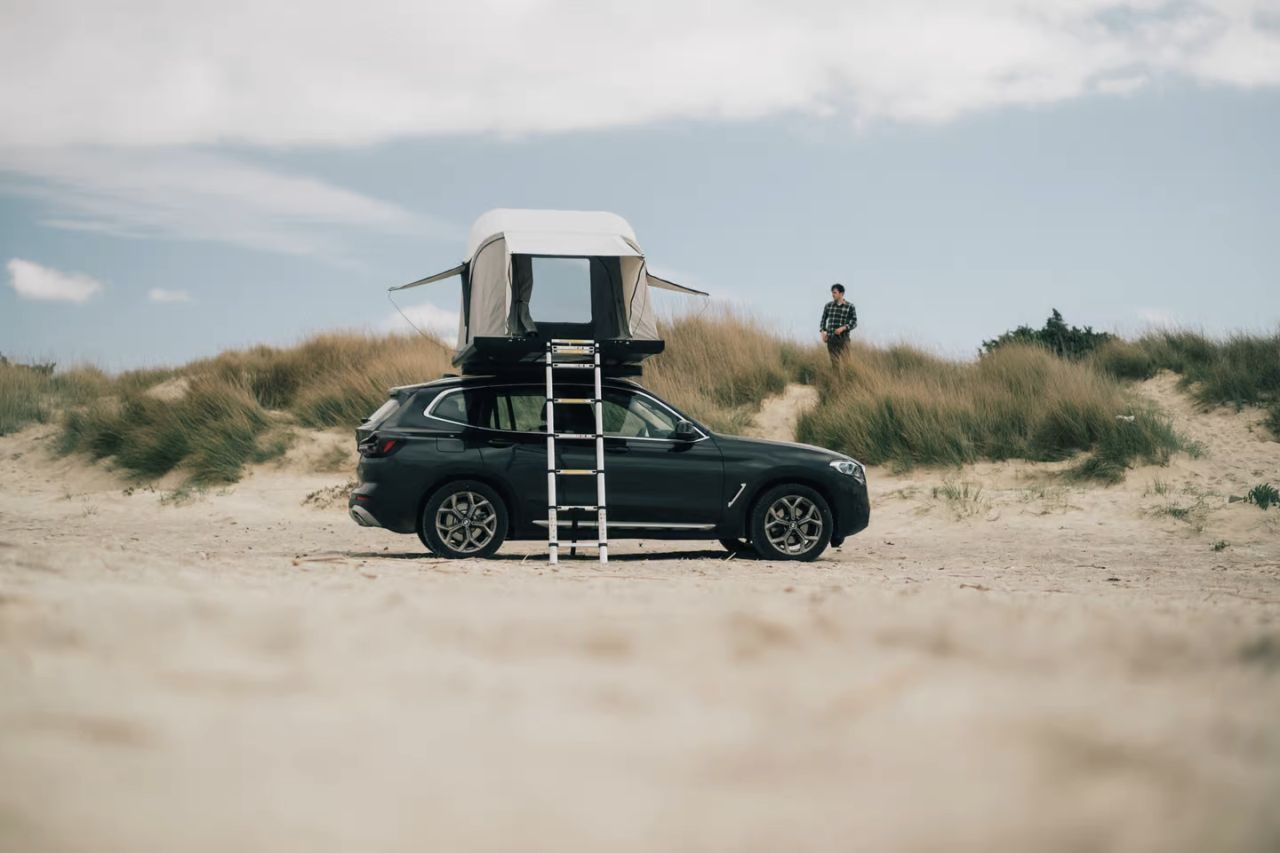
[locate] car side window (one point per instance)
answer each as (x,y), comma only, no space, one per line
(635,416)
(524,409)
(470,406)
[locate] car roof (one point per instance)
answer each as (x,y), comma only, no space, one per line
(530,378)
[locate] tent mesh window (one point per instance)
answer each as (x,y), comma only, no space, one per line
(567,297)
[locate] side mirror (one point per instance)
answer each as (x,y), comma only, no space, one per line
(685,431)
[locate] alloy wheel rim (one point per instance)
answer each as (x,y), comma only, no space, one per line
(793,524)
(466,522)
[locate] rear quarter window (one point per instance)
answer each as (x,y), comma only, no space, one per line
(468,406)
(453,407)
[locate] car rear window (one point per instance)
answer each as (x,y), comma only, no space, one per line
(383,412)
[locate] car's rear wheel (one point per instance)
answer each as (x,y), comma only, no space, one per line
(791,522)
(464,519)
(737,546)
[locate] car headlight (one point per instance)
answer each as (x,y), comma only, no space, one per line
(848,466)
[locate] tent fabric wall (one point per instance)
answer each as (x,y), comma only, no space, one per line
(635,296)
(490,274)
(519,320)
(608,311)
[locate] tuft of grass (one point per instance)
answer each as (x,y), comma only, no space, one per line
(234,409)
(1272,420)
(903,406)
(23,396)
(1220,545)
(1124,360)
(964,499)
(214,430)
(1263,495)
(720,367)
(35,393)
(1241,370)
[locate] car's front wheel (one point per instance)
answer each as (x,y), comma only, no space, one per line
(791,522)
(464,519)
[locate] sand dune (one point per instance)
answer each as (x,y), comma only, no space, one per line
(1002,661)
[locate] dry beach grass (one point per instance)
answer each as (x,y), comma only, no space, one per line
(898,405)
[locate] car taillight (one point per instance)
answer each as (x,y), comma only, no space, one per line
(377,447)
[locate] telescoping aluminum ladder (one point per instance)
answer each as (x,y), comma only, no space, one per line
(570,354)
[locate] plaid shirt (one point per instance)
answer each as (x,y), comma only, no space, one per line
(834,316)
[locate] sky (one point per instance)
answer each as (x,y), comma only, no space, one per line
(180,179)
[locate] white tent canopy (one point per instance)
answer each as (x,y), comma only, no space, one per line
(498,279)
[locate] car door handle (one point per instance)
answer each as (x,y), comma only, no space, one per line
(500,442)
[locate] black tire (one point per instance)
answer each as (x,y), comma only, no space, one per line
(478,517)
(737,546)
(791,522)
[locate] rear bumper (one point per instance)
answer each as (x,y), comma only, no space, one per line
(362,516)
(371,506)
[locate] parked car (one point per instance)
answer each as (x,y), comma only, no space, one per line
(462,462)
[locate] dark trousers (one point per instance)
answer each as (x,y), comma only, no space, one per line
(837,346)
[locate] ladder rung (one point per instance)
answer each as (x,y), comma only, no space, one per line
(574,365)
(583,435)
(575,472)
(563,507)
(586,400)
(581,543)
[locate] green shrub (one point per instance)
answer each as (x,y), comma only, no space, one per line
(1263,496)
(1056,336)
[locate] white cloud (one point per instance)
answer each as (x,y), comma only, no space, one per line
(33,281)
(332,72)
(429,318)
(160,294)
(195,195)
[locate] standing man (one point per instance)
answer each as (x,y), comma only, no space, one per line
(839,318)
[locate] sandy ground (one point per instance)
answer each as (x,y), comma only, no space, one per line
(1001,661)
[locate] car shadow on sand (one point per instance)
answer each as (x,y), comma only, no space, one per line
(584,556)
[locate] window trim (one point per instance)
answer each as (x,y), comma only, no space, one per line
(428,412)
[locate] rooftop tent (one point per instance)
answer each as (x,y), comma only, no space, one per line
(531,275)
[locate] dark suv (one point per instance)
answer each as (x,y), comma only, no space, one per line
(462,462)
